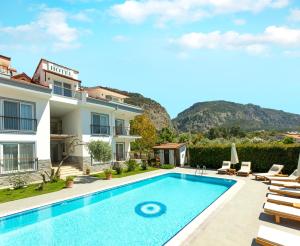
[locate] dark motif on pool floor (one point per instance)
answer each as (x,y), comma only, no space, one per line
(150,209)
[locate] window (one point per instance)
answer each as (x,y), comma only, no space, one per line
(100,124)
(63,89)
(17,157)
(18,116)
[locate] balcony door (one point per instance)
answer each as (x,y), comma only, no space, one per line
(120,127)
(120,151)
(18,116)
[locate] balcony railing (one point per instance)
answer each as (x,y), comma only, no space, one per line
(62,91)
(121,131)
(8,123)
(100,130)
(121,156)
(13,165)
(4,70)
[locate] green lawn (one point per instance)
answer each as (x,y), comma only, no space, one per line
(125,174)
(7,195)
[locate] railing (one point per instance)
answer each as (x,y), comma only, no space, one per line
(121,131)
(13,165)
(62,91)
(121,156)
(8,123)
(100,130)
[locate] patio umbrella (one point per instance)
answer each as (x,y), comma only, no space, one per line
(234,156)
(298,168)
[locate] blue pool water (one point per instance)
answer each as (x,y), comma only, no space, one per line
(148,212)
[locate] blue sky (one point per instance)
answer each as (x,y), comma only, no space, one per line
(177,52)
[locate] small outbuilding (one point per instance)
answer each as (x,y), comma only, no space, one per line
(171,153)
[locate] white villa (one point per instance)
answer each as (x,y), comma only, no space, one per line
(39,115)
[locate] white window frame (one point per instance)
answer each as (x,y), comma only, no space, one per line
(19,169)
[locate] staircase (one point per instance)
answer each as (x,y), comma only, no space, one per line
(69,169)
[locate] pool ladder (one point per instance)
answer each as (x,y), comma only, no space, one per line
(200,170)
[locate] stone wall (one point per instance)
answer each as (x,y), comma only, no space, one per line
(33,176)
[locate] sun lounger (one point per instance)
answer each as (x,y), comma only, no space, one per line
(292,178)
(285,191)
(274,170)
(282,211)
(286,184)
(245,169)
(283,200)
(225,167)
(272,237)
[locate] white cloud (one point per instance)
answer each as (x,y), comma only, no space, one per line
(135,11)
(120,38)
(292,53)
(51,28)
(239,22)
(251,43)
(294,15)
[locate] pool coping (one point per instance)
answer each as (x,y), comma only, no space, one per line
(176,239)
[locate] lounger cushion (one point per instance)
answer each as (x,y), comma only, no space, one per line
(282,210)
(282,199)
(282,183)
(284,190)
(277,237)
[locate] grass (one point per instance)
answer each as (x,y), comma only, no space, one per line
(125,174)
(7,195)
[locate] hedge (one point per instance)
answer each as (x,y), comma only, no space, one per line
(262,156)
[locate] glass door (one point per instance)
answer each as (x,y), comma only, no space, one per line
(120,127)
(120,151)
(11,115)
(10,157)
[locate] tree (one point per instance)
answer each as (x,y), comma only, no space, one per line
(142,126)
(100,151)
(166,135)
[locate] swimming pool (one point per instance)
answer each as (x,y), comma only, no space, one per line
(147,212)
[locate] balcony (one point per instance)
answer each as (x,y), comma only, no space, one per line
(100,130)
(8,123)
(121,131)
(66,92)
(121,156)
(13,165)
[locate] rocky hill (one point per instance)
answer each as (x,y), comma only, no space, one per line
(156,112)
(204,115)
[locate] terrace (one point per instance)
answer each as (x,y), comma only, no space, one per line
(236,218)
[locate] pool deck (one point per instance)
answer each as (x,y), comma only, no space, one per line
(234,222)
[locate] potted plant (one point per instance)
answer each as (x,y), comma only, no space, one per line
(88,171)
(108,173)
(69,181)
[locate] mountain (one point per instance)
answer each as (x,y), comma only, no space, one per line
(156,112)
(205,115)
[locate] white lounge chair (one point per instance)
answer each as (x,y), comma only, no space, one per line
(292,178)
(269,236)
(225,167)
(274,170)
(283,200)
(285,191)
(245,169)
(286,184)
(282,211)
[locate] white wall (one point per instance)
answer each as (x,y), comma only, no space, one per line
(42,109)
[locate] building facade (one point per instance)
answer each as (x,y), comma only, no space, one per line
(40,118)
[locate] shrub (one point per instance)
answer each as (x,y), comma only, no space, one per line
(262,156)
(100,151)
(288,140)
(144,165)
(69,179)
(167,166)
(108,171)
(18,181)
(132,165)
(119,169)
